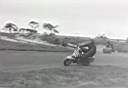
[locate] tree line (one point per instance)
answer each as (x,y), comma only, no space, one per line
(12,27)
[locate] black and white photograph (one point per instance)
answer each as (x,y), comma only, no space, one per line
(63,44)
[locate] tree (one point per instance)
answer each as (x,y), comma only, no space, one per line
(56,31)
(11,26)
(50,27)
(34,25)
(27,30)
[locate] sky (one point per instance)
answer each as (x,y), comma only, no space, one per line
(74,17)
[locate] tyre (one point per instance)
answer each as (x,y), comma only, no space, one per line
(67,62)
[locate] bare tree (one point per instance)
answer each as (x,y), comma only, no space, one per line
(50,27)
(11,26)
(56,31)
(34,25)
(27,30)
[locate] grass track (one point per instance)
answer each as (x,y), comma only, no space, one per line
(27,69)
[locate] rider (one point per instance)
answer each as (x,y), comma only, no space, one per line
(77,50)
(109,44)
(89,48)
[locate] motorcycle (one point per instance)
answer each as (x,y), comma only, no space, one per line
(76,57)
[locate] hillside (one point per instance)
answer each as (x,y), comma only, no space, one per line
(45,42)
(37,42)
(10,42)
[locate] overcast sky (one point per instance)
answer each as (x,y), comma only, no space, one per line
(80,17)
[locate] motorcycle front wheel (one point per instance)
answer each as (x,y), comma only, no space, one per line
(67,62)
